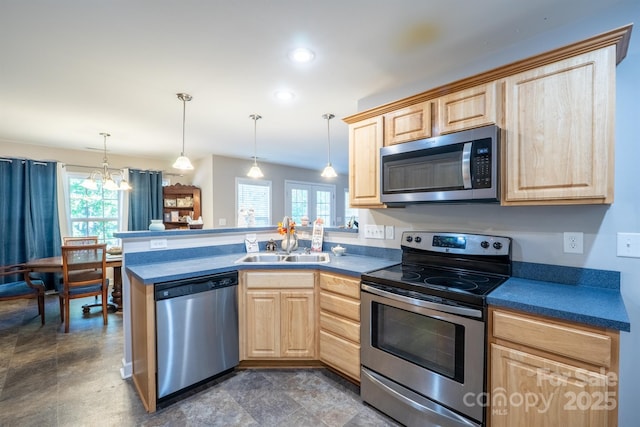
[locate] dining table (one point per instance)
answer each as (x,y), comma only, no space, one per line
(54,265)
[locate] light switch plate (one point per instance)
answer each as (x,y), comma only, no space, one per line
(373,231)
(628,245)
(157,243)
(388,232)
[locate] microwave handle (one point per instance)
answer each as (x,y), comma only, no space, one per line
(466,165)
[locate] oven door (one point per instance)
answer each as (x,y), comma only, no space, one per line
(433,349)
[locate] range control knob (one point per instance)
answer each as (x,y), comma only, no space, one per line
(484,244)
(418,239)
(497,245)
(409,239)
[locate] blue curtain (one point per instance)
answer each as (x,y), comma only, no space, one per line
(28,207)
(145,200)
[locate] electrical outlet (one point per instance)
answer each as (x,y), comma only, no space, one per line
(157,243)
(388,232)
(573,242)
(373,231)
(628,245)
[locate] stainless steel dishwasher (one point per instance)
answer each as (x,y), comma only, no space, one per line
(196,330)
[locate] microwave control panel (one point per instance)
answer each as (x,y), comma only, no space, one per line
(481,163)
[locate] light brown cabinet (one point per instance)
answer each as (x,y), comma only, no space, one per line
(277,315)
(469,108)
(560,131)
(546,372)
(365,141)
(408,124)
(340,323)
(180,201)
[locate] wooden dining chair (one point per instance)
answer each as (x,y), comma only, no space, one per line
(84,274)
(79,241)
(16,283)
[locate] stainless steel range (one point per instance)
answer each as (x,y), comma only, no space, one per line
(423,328)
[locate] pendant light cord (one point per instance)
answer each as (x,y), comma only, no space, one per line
(328,116)
(184,115)
(255,118)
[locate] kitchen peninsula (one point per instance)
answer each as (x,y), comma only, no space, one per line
(151,257)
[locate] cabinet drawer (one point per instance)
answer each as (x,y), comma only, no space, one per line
(339,326)
(279,279)
(340,305)
(340,285)
(340,354)
(555,337)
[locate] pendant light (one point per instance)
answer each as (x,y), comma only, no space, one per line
(328,171)
(183,162)
(108,180)
(255,171)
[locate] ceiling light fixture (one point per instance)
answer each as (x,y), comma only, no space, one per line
(183,162)
(301,55)
(108,180)
(284,95)
(255,171)
(328,171)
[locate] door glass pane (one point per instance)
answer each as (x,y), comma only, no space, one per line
(299,204)
(323,206)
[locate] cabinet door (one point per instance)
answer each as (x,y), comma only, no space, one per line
(560,131)
(408,124)
(528,390)
(262,324)
(469,108)
(365,141)
(297,324)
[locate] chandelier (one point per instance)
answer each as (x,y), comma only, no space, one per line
(108,179)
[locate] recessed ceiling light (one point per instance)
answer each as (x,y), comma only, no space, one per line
(284,95)
(301,55)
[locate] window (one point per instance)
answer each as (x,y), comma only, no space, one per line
(253,196)
(349,213)
(311,200)
(93,212)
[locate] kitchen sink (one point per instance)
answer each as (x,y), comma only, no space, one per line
(263,258)
(308,258)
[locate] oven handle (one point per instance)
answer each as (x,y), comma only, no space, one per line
(464,311)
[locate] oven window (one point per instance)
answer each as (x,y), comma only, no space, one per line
(425,341)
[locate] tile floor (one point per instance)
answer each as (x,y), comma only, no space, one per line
(48,378)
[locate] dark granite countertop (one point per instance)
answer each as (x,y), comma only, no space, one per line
(350,265)
(591,305)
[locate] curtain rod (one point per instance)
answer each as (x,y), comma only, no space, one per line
(116,169)
(35,162)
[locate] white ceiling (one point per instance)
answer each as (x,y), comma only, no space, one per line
(70,69)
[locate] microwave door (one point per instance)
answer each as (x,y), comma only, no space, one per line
(466,165)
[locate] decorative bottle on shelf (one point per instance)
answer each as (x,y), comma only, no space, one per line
(156,225)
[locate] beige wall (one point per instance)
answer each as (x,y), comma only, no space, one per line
(217,175)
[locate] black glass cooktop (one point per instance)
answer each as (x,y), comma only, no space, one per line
(452,283)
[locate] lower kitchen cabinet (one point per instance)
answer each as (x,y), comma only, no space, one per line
(277,315)
(340,323)
(546,372)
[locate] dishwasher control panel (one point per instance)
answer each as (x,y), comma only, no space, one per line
(194,285)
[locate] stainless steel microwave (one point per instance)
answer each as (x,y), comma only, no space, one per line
(458,167)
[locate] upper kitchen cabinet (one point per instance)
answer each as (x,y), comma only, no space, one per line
(560,131)
(408,124)
(556,111)
(365,141)
(469,108)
